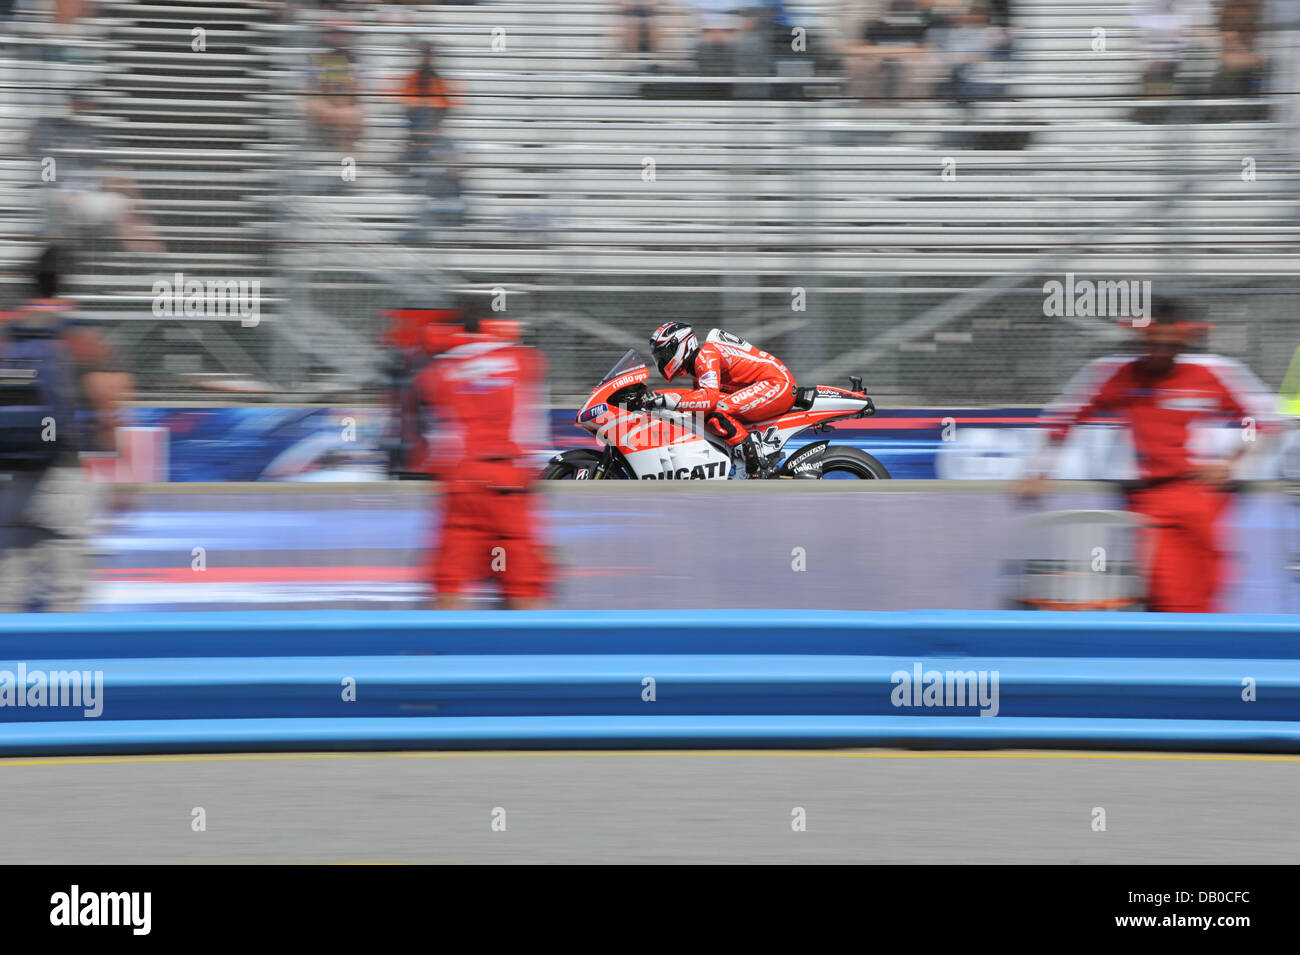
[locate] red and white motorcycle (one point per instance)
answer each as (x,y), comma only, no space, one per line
(674,445)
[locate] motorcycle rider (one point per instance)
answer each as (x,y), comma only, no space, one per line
(736,384)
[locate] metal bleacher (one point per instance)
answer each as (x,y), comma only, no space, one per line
(752,194)
(554,136)
(177,121)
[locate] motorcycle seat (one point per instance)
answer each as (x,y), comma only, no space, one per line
(803,397)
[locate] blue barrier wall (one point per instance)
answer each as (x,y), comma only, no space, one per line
(282,680)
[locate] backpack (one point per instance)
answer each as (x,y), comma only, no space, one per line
(37,410)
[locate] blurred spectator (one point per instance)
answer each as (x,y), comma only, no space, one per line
(719,25)
(86,198)
(333,101)
(1169,29)
(888,56)
(640,28)
(766,36)
(970,44)
(741,38)
(58,397)
(70,11)
(1000,13)
(1241,67)
(485,393)
(67,25)
(1161,395)
(409,342)
(431,156)
(427,97)
(1281,38)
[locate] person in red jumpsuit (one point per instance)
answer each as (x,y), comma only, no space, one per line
(736,384)
(1160,395)
(485,394)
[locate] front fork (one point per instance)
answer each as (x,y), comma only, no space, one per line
(608,461)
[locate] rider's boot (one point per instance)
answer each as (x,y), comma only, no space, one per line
(756,465)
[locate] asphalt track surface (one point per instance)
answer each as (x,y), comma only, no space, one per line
(879,806)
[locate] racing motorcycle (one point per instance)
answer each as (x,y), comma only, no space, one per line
(675,446)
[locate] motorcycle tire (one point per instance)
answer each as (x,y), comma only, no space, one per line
(850,462)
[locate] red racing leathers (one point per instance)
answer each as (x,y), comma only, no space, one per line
(736,384)
(485,395)
(1184,553)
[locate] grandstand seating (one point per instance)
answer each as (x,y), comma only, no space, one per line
(553,133)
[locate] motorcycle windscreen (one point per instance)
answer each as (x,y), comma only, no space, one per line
(629,361)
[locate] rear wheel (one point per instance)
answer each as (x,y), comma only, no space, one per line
(841,463)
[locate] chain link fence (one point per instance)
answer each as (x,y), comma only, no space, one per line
(1005,351)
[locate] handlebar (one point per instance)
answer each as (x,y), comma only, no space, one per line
(629,397)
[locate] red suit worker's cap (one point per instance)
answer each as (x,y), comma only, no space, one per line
(1187,331)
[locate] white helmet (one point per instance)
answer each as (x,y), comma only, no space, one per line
(674,345)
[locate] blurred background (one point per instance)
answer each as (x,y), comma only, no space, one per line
(879,187)
(873,186)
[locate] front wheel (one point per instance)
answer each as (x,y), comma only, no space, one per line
(579,465)
(841,463)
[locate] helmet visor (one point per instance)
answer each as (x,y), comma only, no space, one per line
(663,354)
